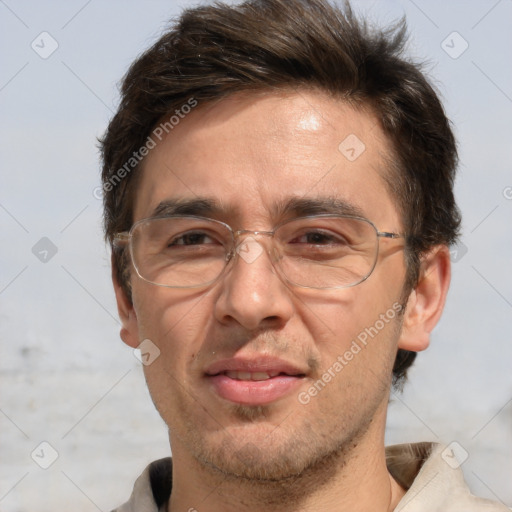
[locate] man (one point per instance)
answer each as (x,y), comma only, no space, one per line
(278,196)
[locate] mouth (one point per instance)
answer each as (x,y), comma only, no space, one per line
(254,376)
(254,381)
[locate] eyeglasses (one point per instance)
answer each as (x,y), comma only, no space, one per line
(320,251)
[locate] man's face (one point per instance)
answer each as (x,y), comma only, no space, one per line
(248,154)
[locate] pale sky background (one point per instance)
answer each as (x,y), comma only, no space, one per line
(66,378)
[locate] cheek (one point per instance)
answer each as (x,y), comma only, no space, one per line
(336,317)
(356,370)
(355,333)
(174,321)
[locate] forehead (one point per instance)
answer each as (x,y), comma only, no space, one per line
(250,154)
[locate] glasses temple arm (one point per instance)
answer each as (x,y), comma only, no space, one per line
(386,234)
(121,239)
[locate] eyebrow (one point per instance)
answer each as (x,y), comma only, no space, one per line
(198,206)
(302,206)
(291,207)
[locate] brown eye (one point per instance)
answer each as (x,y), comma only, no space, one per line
(318,237)
(192,238)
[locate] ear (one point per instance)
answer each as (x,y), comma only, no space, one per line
(426,302)
(129,325)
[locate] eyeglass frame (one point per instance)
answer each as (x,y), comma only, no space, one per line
(125,237)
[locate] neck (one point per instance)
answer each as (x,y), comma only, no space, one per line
(351,479)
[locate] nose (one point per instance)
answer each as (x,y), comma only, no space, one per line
(251,292)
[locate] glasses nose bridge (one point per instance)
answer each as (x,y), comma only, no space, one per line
(239,232)
(242,235)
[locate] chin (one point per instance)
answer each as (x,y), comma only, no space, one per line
(258,452)
(256,462)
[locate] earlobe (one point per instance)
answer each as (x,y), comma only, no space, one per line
(129,325)
(426,301)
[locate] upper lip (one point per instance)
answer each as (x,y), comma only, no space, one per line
(253,365)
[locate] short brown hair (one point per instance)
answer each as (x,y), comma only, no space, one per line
(214,51)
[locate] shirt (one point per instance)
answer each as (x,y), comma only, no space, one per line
(429,472)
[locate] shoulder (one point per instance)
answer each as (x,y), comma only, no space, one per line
(152,489)
(434,480)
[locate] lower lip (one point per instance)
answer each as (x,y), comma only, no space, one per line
(254,392)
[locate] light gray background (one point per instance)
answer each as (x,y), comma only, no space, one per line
(66,377)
